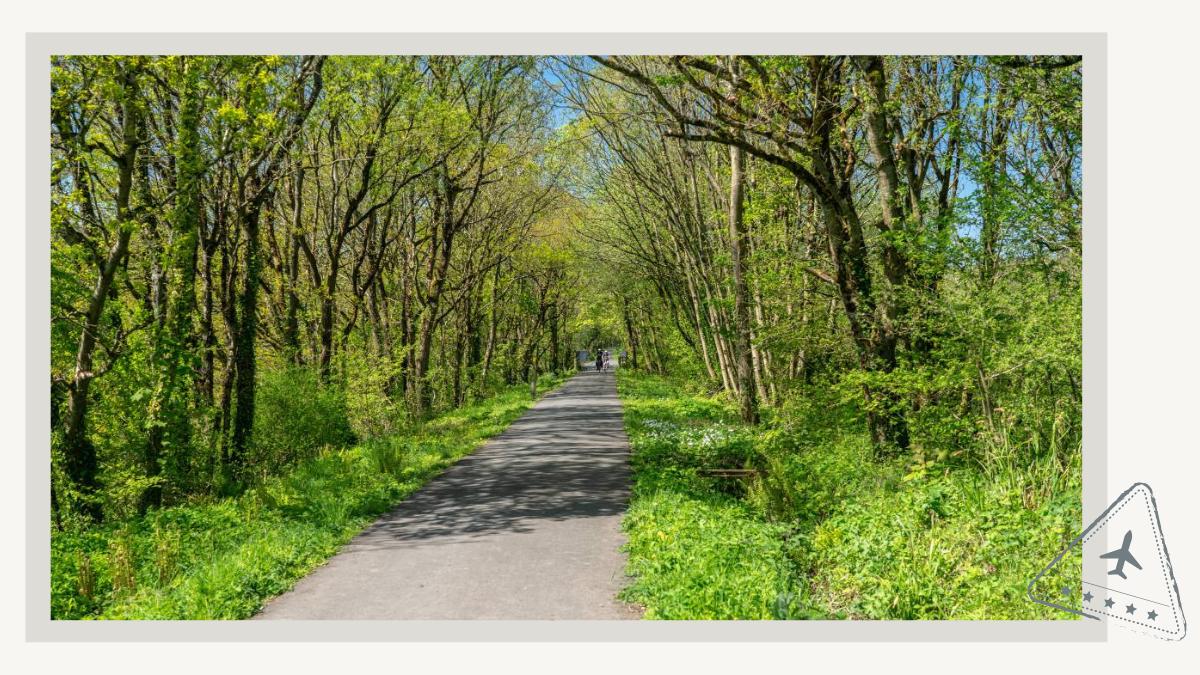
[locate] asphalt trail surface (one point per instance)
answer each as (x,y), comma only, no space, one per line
(527,527)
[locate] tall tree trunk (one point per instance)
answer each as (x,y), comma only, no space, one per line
(439,265)
(328,308)
(629,335)
(554,354)
(460,355)
(490,349)
(167,417)
(260,183)
(701,331)
(725,360)
(291,335)
(995,172)
(886,408)
(205,378)
(244,358)
(401,384)
(739,247)
(80,463)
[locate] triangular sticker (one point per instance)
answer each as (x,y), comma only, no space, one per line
(1118,570)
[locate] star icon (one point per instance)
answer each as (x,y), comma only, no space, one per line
(1066,592)
(1108,602)
(1130,609)
(1152,615)
(1087,597)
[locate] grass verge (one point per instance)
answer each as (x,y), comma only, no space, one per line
(223,559)
(826,531)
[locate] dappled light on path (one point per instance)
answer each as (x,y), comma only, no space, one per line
(526,527)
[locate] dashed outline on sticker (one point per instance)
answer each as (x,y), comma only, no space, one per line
(1172,586)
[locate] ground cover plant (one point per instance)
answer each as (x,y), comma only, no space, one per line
(826,532)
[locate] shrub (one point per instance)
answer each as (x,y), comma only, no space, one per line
(295,416)
(371,411)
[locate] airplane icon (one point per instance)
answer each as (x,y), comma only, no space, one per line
(1122,556)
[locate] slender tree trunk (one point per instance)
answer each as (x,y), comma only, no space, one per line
(720,346)
(167,416)
(700,328)
(460,355)
(291,337)
(739,245)
(490,349)
(439,265)
(554,360)
(328,308)
(244,357)
(996,168)
(632,338)
(80,463)
(205,378)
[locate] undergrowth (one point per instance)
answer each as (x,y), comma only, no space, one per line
(822,529)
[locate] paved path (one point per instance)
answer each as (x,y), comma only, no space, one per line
(527,527)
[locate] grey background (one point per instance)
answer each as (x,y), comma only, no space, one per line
(39,47)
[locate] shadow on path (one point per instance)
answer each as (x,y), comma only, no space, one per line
(526,527)
(566,458)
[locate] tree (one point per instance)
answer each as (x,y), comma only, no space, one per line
(266,152)
(800,113)
(167,418)
(73,120)
(739,247)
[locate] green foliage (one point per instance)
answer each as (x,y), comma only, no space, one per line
(695,551)
(222,559)
(421,231)
(825,531)
(295,417)
(955,546)
(702,558)
(371,409)
(219,303)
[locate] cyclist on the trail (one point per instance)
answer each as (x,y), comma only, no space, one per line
(599,360)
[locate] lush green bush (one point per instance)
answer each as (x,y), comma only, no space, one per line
(221,559)
(827,530)
(372,407)
(295,416)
